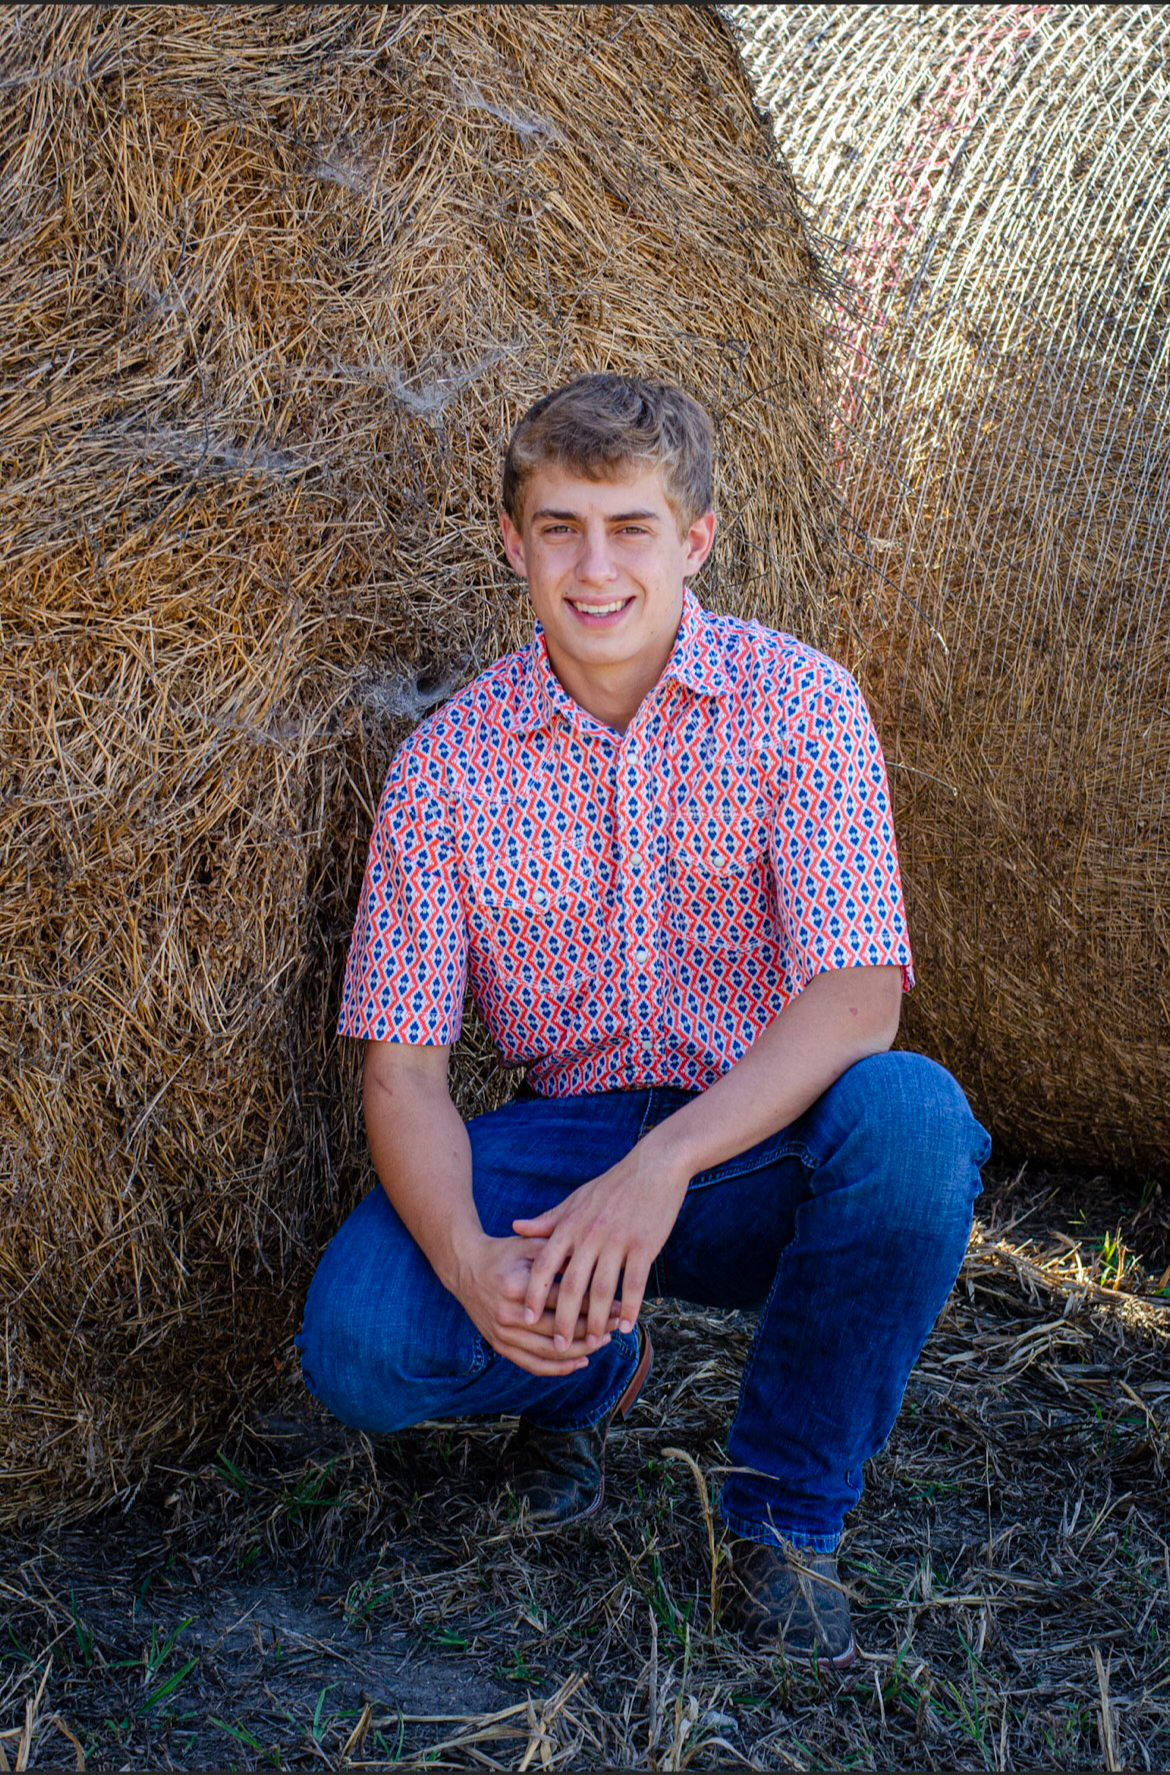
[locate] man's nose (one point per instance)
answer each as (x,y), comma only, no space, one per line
(596,565)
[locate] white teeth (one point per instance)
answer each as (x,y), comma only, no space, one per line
(598,609)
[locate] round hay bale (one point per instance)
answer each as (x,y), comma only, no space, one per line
(277,282)
(992,184)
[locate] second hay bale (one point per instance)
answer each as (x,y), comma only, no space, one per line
(993,183)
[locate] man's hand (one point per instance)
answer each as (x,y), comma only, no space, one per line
(609,1230)
(615,1226)
(492,1288)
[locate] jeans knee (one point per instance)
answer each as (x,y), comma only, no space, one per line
(907,1119)
(334,1360)
(383,1343)
(359,1373)
(910,1098)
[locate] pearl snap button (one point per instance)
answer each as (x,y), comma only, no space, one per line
(641,954)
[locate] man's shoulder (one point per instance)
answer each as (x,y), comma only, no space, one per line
(764,662)
(473,715)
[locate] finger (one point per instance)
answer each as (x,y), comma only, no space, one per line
(633,1291)
(574,1287)
(539,1226)
(546,1367)
(518,1341)
(601,1292)
(542,1276)
(513,1284)
(546,1327)
(588,1340)
(532,1314)
(554,1295)
(512,1317)
(545,1348)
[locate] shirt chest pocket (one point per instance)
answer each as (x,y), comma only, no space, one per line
(723,840)
(536,917)
(721,895)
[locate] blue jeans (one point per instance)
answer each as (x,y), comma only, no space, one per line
(845,1230)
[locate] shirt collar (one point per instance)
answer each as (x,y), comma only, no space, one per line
(694,661)
(695,657)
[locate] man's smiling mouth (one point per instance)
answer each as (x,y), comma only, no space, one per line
(600,609)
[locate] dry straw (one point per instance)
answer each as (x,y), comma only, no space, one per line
(334,1597)
(276,281)
(991,182)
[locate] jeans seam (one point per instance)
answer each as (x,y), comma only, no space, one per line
(743,1167)
(647,1113)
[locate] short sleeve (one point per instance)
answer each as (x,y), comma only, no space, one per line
(833,849)
(407,970)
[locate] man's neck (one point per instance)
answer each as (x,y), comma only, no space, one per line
(612,694)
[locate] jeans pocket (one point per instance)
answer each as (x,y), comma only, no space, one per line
(449,1349)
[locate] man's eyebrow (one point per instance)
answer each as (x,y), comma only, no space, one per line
(546,511)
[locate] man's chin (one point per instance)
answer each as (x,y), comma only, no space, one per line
(605,650)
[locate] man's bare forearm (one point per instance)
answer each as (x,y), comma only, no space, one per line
(422,1154)
(840,1018)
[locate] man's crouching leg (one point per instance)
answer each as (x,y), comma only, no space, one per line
(890,1156)
(385,1345)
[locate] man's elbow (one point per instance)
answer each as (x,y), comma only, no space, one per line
(885,1008)
(887,1031)
(392,1068)
(869,1010)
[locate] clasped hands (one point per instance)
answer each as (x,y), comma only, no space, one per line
(553,1294)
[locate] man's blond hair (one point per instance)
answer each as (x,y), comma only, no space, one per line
(601,426)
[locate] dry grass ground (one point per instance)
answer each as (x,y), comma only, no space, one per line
(307,1599)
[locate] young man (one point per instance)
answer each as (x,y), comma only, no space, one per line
(657,845)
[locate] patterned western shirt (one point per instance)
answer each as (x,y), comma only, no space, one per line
(628,909)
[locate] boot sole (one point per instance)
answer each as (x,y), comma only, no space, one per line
(772,1645)
(842,1661)
(638,1379)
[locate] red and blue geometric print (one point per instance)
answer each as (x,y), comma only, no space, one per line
(629,909)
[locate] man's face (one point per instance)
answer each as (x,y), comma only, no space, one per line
(605,566)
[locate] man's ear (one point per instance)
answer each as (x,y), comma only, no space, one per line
(698,541)
(513,545)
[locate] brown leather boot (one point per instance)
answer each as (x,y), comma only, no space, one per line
(558,1476)
(790,1600)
